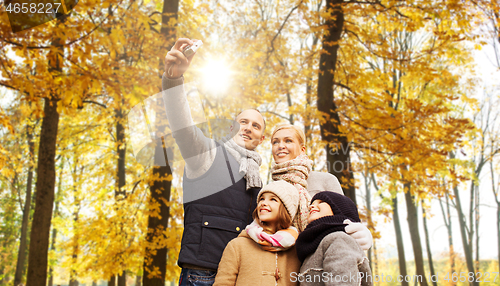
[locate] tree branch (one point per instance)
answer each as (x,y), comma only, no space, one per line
(91,101)
(283,25)
(279,115)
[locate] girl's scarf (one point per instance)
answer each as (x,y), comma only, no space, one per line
(296,172)
(309,240)
(249,161)
(279,241)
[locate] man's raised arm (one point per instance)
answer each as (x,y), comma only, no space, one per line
(197,150)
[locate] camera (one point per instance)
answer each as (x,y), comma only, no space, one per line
(190,50)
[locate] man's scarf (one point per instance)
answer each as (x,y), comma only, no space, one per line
(249,161)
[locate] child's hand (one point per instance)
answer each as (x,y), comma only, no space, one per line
(360,233)
(267,246)
(271,248)
(265,243)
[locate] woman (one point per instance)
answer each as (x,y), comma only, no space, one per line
(292,165)
(288,142)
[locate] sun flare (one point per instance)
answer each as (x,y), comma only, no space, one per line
(216,77)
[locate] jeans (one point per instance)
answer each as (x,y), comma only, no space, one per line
(194,277)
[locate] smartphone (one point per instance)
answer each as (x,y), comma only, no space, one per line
(190,50)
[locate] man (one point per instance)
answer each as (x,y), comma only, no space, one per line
(221,180)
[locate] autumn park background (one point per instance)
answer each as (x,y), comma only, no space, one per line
(391,96)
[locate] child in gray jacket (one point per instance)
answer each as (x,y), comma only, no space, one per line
(328,255)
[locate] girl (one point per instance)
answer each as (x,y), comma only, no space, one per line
(328,255)
(264,253)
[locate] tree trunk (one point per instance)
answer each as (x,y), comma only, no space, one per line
(477,217)
(465,241)
(138,280)
(160,191)
(157,257)
(290,104)
(498,232)
(40,228)
(121,150)
(8,234)
(170,11)
(470,232)
(112,281)
(120,173)
(375,260)
(56,213)
(447,222)
(450,236)
(122,279)
(338,149)
(53,247)
(428,246)
(415,234)
(73,280)
(463,226)
(474,215)
(368,199)
(399,240)
(308,118)
(46,178)
(2,270)
(21,258)
(497,17)
(494,188)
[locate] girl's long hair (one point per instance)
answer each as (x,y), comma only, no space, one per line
(284,218)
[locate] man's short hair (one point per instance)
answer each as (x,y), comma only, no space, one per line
(263,119)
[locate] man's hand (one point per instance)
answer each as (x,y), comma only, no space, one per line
(175,61)
(360,233)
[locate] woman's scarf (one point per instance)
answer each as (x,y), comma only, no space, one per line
(249,161)
(281,240)
(309,240)
(296,172)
